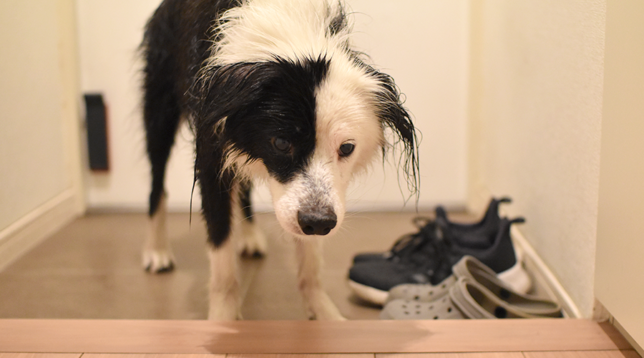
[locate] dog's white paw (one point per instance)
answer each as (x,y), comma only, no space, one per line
(158,261)
(321,308)
(252,241)
(224,307)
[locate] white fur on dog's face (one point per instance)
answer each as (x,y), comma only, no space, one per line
(344,114)
(345,100)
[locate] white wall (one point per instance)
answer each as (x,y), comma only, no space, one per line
(535,125)
(40,187)
(30,100)
(423,44)
(619,283)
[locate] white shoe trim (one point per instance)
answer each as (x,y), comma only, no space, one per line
(517,278)
(369,294)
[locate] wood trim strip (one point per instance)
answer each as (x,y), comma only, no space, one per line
(453,355)
(584,354)
(40,355)
(199,337)
(153,355)
(288,355)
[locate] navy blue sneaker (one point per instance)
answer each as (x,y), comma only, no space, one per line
(474,235)
(403,245)
(430,260)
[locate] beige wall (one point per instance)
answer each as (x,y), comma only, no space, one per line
(40,167)
(423,44)
(619,274)
(535,125)
(38,146)
(30,100)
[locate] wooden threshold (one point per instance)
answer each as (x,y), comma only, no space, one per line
(306,337)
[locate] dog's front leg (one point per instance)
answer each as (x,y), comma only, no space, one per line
(224,302)
(219,192)
(157,254)
(317,301)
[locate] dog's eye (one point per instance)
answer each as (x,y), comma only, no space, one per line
(346,149)
(282,145)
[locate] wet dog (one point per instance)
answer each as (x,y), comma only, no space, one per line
(273,91)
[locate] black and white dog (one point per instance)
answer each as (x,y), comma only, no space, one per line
(273,91)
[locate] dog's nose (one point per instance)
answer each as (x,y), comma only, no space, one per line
(317,222)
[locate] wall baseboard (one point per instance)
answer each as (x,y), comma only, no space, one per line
(542,276)
(33,228)
(628,337)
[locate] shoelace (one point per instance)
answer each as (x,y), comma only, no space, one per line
(428,251)
(408,244)
(442,247)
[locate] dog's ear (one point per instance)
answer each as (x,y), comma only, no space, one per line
(394,116)
(218,99)
(223,92)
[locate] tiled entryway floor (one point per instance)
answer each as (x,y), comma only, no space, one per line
(92,269)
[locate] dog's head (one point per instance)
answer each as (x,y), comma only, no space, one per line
(304,119)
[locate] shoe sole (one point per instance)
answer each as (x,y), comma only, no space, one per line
(516,277)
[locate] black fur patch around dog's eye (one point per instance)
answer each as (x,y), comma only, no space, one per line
(282,145)
(263,101)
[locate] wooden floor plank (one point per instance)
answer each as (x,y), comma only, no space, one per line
(40,355)
(150,355)
(584,354)
(454,355)
(290,355)
(198,337)
(161,355)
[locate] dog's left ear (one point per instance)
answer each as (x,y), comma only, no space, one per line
(225,91)
(394,116)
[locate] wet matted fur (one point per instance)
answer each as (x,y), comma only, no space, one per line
(274,92)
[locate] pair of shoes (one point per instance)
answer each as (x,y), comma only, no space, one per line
(472,235)
(427,256)
(472,291)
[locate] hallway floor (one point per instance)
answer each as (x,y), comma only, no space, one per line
(92,269)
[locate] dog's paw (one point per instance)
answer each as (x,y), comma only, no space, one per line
(325,317)
(321,308)
(252,242)
(224,308)
(158,261)
(223,315)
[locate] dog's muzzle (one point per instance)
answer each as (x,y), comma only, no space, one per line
(317,221)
